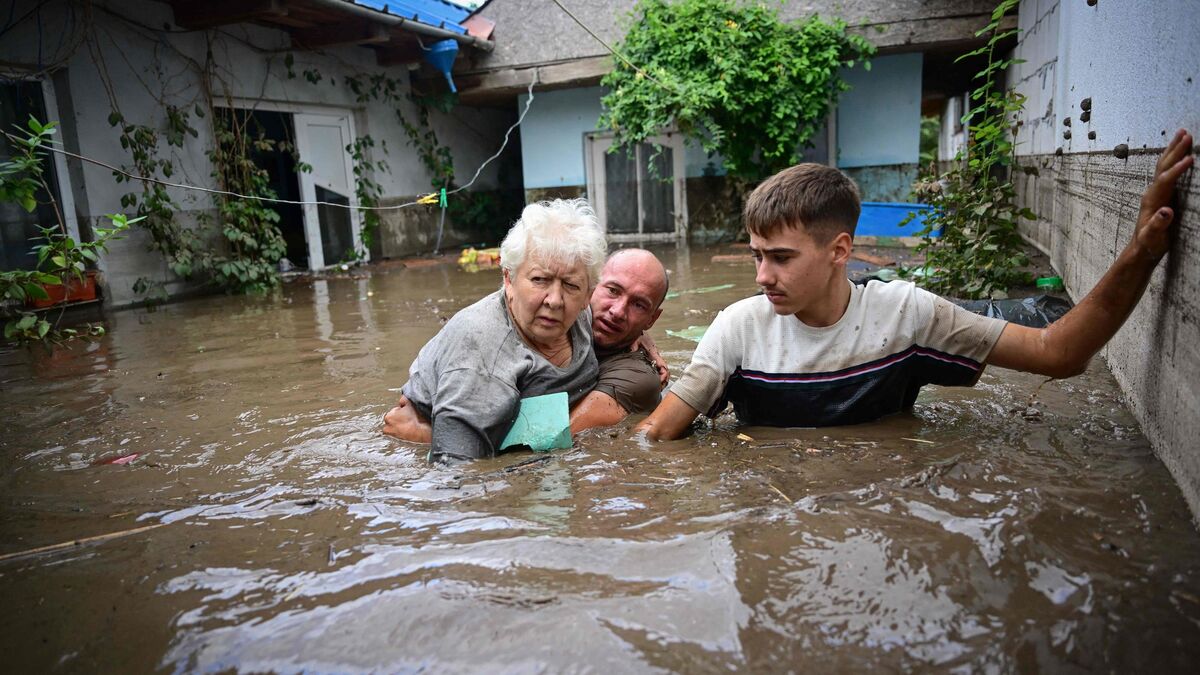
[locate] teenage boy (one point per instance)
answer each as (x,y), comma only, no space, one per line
(816,350)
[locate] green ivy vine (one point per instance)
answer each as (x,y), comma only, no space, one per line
(980,253)
(732,77)
(155,209)
(250,226)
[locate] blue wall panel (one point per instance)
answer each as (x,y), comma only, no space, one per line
(552,135)
(879,119)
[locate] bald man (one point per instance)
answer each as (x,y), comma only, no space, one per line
(627,301)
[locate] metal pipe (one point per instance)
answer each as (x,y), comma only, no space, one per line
(393,21)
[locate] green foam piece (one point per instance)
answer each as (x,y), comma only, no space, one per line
(706,289)
(543,423)
(693,333)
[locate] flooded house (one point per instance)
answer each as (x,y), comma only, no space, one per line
(205,488)
(324,84)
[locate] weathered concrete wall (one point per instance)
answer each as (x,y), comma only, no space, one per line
(553,37)
(1137,64)
(891,183)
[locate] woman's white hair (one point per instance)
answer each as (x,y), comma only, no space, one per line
(559,231)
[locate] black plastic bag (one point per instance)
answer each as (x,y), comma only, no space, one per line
(1036,312)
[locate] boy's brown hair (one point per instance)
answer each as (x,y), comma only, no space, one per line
(818,198)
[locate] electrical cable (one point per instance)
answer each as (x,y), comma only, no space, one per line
(529,102)
(226,193)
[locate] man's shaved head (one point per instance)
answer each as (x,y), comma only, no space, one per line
(628,299)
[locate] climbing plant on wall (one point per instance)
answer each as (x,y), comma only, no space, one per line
(980,252)
(250,227)
(731,76)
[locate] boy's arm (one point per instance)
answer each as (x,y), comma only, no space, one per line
(669,420)
(1064,348)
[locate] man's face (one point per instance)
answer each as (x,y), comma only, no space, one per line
(793,269)
(625,302)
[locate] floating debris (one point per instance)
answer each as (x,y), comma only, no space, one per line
(693,333)
(706,289)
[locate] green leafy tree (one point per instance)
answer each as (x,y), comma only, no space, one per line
(730,76)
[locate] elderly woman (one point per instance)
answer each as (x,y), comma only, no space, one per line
(531,337)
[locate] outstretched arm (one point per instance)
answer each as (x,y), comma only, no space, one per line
(669,420)
(1064,348)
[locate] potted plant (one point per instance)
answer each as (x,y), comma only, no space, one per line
(60,274)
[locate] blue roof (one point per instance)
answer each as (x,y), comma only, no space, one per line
(432,12)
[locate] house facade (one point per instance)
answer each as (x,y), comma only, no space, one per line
(327,81)
(873,134)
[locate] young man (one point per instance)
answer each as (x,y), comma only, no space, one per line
(816,350)
(626,303)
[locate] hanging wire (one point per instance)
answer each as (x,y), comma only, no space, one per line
(214,191)
(609,47)
(528,102)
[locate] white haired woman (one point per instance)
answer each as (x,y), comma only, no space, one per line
(531,337)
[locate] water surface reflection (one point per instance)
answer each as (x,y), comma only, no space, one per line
(1012,526)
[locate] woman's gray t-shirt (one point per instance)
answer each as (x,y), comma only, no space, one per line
(470,378)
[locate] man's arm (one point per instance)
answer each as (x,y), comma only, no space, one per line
(597,409)
(405,423)
(669,420)
(1064,348)
(646,344)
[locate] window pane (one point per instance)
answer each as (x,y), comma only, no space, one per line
(337,242)
(620,192)
(18,227)
(658,190)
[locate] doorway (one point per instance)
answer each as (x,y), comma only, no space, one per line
(638,192)
(333,232)
(278,159)
(309,161)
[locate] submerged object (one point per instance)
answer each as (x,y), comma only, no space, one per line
(693,333)
(543,423)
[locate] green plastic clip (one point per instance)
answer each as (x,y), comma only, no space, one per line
(442,198)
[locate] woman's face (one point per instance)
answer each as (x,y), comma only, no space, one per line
(545,298)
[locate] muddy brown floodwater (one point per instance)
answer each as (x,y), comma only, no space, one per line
(982,532)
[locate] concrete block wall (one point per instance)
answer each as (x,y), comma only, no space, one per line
(1137,65)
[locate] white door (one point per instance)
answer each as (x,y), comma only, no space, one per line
(333,232)
(638,193)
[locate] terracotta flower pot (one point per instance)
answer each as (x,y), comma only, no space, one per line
(74,291)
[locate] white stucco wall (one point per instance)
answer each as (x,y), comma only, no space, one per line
(1137,62)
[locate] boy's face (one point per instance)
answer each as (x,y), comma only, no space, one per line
(794,270)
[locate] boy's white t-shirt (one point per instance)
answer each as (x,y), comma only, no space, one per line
(777,371)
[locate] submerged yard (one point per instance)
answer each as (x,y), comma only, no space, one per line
(1014,526)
